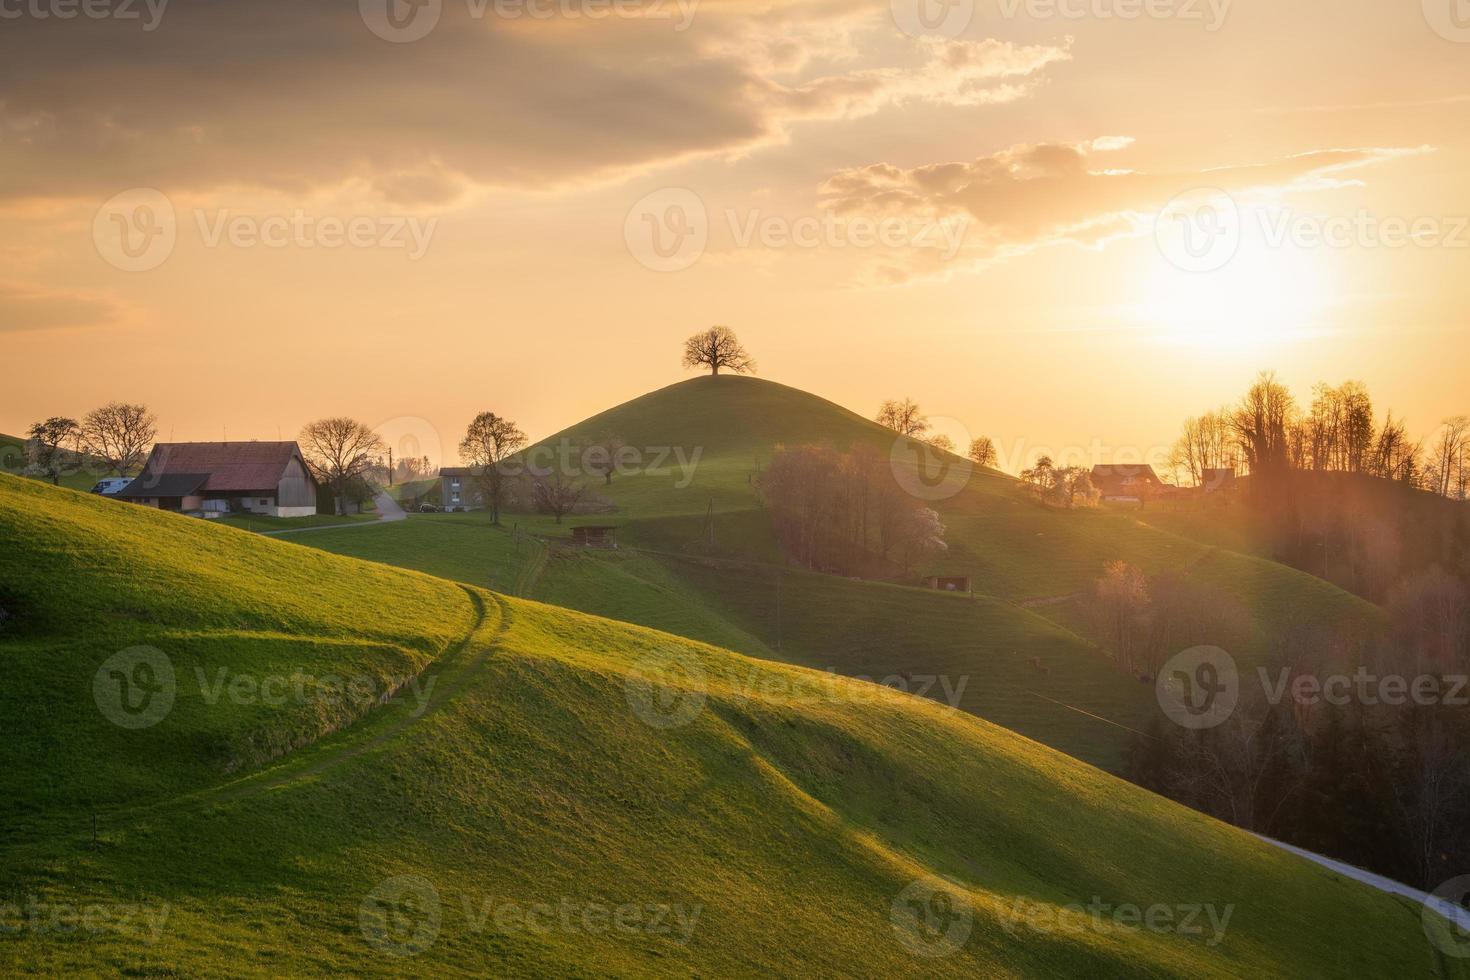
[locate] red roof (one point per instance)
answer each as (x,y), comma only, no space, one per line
(232,466)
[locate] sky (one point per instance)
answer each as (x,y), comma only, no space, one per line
(1063,224)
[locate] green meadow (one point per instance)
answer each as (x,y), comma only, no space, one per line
(546,792)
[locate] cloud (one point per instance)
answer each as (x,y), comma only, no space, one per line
(1033,195)
(302,97)
(26,306)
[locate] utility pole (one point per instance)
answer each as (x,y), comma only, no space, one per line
(390,466)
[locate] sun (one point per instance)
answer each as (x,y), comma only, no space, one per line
(1263,295)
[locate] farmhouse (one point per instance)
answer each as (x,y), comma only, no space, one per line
(457,489)
(1131,482)
(216,478)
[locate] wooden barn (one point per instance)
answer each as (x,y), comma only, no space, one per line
(594,536)
(214,478)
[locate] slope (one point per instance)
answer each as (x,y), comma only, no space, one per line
(135,599)
(592,798)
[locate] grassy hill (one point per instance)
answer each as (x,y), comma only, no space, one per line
(85,579)
(1014,550)
(577,797)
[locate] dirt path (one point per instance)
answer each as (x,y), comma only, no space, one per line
(444,680)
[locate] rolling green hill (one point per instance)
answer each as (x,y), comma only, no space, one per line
(1014,550)
(574,797)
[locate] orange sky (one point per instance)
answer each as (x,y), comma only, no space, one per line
(977,218)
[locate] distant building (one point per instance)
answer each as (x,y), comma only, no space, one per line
(215,478)
(948,583)
(594,536)
(458,490)
(1128,482)
(1218,480)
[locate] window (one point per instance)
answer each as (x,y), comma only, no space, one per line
(264,501)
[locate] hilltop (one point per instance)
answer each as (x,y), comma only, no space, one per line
(699,559)
(777,819)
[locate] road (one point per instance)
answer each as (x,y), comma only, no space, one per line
(1456,913)
(388,511)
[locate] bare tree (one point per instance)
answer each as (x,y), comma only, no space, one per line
(340,450)
(941,442)
(1448,453)
(982,452)
(489,442)
(1395,457)
(119,434)
(1204,443)
(1040,479)
(555,494)
(602,455)
(1263,422)
(1118,608)
(1070,482)
(903,417)
(48,446)
(716,348)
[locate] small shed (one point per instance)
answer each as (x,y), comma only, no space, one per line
(594,536)
(948,583)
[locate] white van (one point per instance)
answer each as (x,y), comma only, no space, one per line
(109,486)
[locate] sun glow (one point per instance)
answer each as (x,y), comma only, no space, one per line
(1262,295)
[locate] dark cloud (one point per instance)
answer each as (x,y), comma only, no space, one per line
(297,95)
(1038,194)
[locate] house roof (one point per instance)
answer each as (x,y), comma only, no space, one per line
(1125,471)
(229,467)
(459,471)
(164,485)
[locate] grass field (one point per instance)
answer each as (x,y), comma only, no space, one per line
(1014,550)
(578,797)
(263,523)
(85,578)
(463,547)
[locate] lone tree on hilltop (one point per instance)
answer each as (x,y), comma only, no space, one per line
(716,348)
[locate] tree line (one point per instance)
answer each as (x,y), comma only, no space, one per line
(1269,433)
(844,512)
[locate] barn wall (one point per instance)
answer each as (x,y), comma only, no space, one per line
(296,489)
